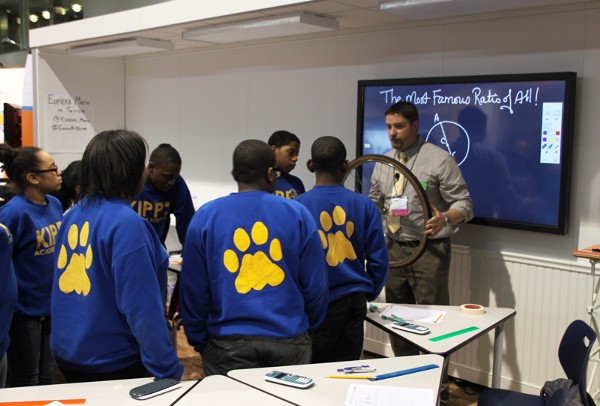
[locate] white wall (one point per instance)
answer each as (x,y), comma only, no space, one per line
(206,102)
(98,81)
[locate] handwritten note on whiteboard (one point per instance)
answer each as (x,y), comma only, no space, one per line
(68,124)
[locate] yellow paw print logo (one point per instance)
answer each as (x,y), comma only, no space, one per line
(75,277)
(257,270)
(339,248)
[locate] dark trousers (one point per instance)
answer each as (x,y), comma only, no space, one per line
(29,359)
(423,282)
(228,353)
(136,370)
(3,370)
(341,336)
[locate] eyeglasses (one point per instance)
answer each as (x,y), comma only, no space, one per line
(55,169)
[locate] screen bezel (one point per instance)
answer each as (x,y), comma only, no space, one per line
(569,79)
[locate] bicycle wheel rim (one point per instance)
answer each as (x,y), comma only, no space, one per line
(367,170)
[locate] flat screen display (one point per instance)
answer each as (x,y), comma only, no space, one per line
(511,135)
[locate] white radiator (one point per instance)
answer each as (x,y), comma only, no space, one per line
(547,295)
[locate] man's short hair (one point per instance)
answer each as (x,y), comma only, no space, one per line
(405,109)
(251,160)
(282,138)
(165,154)
(327,154)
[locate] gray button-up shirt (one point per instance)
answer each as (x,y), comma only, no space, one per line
(441,178)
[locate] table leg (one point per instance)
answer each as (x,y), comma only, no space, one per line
(498,351)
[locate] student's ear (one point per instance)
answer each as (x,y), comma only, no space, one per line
(271,175)
(32,178)
(344,166)
(310,166)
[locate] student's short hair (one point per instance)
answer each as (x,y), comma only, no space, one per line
(282,138)
(328,154)
(18,162)
(113,164)
(164,154)
(251,160)
(406,109)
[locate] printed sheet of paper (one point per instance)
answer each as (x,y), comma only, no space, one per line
(412,314)
(368,395)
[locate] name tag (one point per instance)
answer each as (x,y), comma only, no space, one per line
(399,206)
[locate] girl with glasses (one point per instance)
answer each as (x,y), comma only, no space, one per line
(33,217)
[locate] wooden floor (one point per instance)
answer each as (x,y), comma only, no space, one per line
(463,395)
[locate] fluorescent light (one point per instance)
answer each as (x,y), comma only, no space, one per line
(423,9)
(270,27)
(391,5)
(125,47)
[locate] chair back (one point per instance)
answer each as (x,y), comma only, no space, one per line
(557,398)
(574,353)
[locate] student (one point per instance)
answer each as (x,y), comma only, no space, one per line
(352,238)
(106,299)
(253,280)
(165,193)
(33,217)
(287,148)
(8,293)
(69,191)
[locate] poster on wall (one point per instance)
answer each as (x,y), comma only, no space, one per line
(11,91)
(69,118)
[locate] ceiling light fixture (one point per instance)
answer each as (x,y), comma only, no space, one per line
(425,9)
(270,27)
(124,47)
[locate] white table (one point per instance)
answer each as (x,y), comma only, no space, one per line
(454,320)
(330,391)
(221,390)
(99,393)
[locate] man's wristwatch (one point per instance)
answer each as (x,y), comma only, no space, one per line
(447,219)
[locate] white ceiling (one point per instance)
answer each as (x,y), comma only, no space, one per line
(354,16)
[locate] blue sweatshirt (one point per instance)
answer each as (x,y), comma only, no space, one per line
(289,186)
(8,287)
(253,266)
(107,310)
(156,206)
(351,232)
(34,228)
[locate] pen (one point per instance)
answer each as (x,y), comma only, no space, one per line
(404,372)
(360,370)
(350,376)
(352,368)
(438,317)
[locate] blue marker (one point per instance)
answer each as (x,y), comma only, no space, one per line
(403,372)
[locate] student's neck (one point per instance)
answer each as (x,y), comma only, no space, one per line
(35,196)
(251,187)
(327,179)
